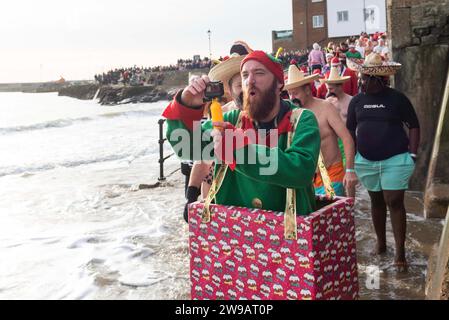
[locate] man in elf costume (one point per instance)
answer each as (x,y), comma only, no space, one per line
(247,184)
(353,53)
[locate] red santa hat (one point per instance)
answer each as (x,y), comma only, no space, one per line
(318,72)
(335,62)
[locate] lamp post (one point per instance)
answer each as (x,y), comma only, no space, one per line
(364,13)
(210,51)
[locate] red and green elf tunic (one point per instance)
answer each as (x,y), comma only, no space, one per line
(243,185)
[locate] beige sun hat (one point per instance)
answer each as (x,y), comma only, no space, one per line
(334,77)
(373,65)
(224,71)
(296,78)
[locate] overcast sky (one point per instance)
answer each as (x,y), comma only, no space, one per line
(42,40)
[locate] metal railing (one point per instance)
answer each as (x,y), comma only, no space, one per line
(162,159)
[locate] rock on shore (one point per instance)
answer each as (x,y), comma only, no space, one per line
(82,92)
(119,94)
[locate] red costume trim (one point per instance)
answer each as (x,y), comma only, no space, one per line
(176,111)
(247,124)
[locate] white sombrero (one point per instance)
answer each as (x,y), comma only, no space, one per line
(373,65)
(225,70)
(296,78)
(334,77)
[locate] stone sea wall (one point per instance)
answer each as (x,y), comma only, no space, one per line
(419,32)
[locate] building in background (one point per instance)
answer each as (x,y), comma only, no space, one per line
(347,18)
(322,21)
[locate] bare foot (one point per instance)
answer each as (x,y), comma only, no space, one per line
(401,266)
(379,249)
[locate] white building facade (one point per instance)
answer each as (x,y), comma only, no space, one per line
(350,17)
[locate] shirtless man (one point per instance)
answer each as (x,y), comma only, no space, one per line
(331,128)
(338,98)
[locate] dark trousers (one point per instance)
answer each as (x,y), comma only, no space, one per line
(316,66)
(186,169)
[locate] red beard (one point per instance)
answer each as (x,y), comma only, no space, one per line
(259,106)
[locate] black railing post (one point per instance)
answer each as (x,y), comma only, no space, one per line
(161,150)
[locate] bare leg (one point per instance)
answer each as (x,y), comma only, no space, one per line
(379,216)
(395,202)
(200,170)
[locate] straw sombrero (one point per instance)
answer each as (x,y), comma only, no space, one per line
(225,70)
(334,77)
(296,78)
(373,65)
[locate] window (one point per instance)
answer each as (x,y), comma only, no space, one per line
(342,16)
(318,21)
(285,34)
(370,15)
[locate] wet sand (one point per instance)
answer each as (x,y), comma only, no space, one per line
(422,235)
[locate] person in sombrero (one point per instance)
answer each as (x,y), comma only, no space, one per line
(386,155)
(349,87)
(331,126)
(317,82)
(340,99)
(228,72)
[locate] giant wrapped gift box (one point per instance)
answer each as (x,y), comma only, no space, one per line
(242,254)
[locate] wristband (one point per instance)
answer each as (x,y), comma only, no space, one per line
(350,171)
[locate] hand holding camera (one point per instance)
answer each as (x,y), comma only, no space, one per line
(201,89)
(214,90)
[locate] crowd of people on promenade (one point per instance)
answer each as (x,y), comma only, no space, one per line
(190,64)
(135,76)
(353,47)
(310,60)
(138,76)
(299,57)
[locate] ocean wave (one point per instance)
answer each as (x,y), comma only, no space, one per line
(61,123)
(130,157)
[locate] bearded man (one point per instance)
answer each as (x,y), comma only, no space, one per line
(248,183)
